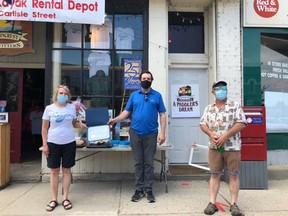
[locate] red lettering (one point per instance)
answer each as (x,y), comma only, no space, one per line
(13,14)
(83,7)
(43,15)
(47,4)
(14,3)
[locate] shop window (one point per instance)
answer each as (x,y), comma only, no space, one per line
(274,80)
(90,58)
(186,32)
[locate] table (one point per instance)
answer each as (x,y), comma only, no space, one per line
(163,158)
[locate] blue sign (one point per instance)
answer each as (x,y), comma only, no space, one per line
(255,120)
(132,71)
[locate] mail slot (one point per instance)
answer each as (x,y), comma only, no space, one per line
(254,142)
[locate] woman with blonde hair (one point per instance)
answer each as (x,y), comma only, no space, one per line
(59,146)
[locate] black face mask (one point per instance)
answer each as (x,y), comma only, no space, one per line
(145,84)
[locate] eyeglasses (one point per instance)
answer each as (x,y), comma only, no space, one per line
(146,97)
(220,87)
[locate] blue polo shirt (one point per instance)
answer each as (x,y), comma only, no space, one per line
(145,111)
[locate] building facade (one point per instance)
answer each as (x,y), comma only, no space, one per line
(186,44)
(265,68)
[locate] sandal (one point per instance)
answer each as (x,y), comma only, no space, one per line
(52,205)
(68,204)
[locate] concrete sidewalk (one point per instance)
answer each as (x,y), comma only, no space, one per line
(111,198)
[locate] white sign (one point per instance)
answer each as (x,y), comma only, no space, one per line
(266,13)
(71,11)
(185,100)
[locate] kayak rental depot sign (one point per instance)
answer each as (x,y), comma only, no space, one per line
(62,11)
(265,13)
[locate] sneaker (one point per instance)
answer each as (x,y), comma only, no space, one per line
(150,197)
(210,209)
(235,211)
(137,196)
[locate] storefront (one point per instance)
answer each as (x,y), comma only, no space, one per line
(186,44)
(265,68)
(22,74)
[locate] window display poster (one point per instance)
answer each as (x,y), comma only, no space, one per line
(185,100)
(276,104)
(132,71)
(274,83)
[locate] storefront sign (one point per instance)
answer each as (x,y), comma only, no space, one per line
(71,11)
(15,37)
(132,70)
(185,100)
(265,13)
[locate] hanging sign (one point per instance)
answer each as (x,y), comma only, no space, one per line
(132,71)
(71,11)
(15,37)
(185,100)
(265,13)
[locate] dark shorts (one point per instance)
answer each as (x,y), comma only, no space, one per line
(230,160)
(61,153)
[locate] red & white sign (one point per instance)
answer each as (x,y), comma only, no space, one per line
(266,8)
(265,13)
(71,11)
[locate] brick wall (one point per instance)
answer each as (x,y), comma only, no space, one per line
(229,47)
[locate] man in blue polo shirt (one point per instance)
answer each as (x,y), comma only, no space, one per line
(145,105)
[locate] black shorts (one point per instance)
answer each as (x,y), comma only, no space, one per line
(65,153)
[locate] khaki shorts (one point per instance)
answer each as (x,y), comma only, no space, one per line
(230,160)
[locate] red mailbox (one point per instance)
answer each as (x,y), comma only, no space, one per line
(254,142)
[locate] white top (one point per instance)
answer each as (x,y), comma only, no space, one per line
(74,32)
(61,129)
(100,35)
(123,39)
(98,61)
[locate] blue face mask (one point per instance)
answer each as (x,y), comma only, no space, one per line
(221,94)
(62,99)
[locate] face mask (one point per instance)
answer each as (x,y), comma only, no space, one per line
(62,99)
(221,94)
(145,84)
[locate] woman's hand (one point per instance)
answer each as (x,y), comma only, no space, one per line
(46,150)
(82,125)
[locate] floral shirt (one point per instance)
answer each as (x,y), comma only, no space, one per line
(221,120)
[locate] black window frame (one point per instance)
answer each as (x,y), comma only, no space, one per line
(112,8)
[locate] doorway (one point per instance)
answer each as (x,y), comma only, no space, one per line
(184,131)
(32,111)
(11,92)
